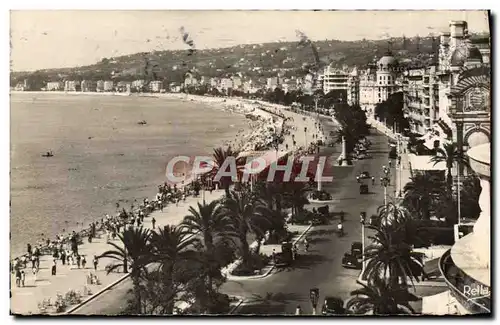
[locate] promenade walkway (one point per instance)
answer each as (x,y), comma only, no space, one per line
(24,300)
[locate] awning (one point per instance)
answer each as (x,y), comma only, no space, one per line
(440,304)
(431,267)
(424,163)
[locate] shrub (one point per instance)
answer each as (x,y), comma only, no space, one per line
(321,195)
(255,262)
(60,304)
(72,297)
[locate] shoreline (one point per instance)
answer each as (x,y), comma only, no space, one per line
(263,120)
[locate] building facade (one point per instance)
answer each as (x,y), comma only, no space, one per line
(88,86)
(155,86)
(109,85)
(54,86)
(466,87)
(341,80)
(378,82)
(72,85)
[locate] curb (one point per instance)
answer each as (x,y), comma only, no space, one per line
(95,295)
(100,292)
(327,201)
(236,307)
(260,276)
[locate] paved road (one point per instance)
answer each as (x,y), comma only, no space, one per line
(321,267)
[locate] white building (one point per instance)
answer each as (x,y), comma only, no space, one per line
(109,85)
(155,86)
(343,80)
(54,86)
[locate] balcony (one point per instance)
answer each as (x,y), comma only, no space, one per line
(460,283)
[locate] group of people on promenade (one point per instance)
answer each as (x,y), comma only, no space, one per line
(65,247)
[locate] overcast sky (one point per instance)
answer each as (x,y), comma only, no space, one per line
(55,39)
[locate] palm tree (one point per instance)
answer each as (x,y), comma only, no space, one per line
(379,298)
(171,246)
(246,214)
(208,222)
(134,251)
(422,192)
(390,255)
(220,155)
(450,155)
(296,196)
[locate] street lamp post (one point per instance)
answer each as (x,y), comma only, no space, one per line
(458,193)
(305,134)
(314,295)
(385,182)
(363,220)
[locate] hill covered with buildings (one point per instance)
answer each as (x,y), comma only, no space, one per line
(252,61)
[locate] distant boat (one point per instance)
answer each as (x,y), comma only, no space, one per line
(142,122)
(48,154)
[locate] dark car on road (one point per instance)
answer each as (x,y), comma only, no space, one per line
(351,261)
(333,306)
(363,189)
(357,249)
(364,175)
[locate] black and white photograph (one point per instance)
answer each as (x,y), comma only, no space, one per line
(250,162)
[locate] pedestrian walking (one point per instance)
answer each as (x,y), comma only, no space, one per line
(35,273)
(63,257)
(33,261)
(95,261)
(23,278)
(306,244)
(84,261)
(78,260)
(298,311)
(153,222)
(18,277)
(29,249)
(54,267)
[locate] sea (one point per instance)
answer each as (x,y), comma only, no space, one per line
(102,156)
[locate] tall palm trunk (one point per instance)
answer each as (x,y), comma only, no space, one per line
(449,178)
(245,249)
(137,291)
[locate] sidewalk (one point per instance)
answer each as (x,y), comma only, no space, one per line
(403,173)
(24,300)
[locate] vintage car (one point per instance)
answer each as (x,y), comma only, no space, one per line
(333,306)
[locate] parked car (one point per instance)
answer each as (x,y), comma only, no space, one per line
(351,261)
(393,154)
(333,306)
(357,249)
(363,189)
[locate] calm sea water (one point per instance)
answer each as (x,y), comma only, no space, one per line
(101,155)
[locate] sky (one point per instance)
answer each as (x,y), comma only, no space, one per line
(55,39)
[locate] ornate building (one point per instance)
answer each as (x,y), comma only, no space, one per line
(464,71)
(378,82)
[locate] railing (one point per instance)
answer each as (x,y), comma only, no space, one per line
(456,280)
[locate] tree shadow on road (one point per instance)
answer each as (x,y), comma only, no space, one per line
(319,232)
(269,304)
(318,240)
(304,261)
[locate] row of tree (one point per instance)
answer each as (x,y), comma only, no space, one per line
(184,262)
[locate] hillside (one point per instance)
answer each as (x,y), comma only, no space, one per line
(288,56)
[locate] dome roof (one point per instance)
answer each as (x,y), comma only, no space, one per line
(465,53)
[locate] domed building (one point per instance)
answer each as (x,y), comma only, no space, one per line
(464,77)
(379,81)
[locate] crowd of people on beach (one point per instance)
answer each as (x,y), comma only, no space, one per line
(64,248)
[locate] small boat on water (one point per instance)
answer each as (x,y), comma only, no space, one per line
(48,154)
(142,122)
